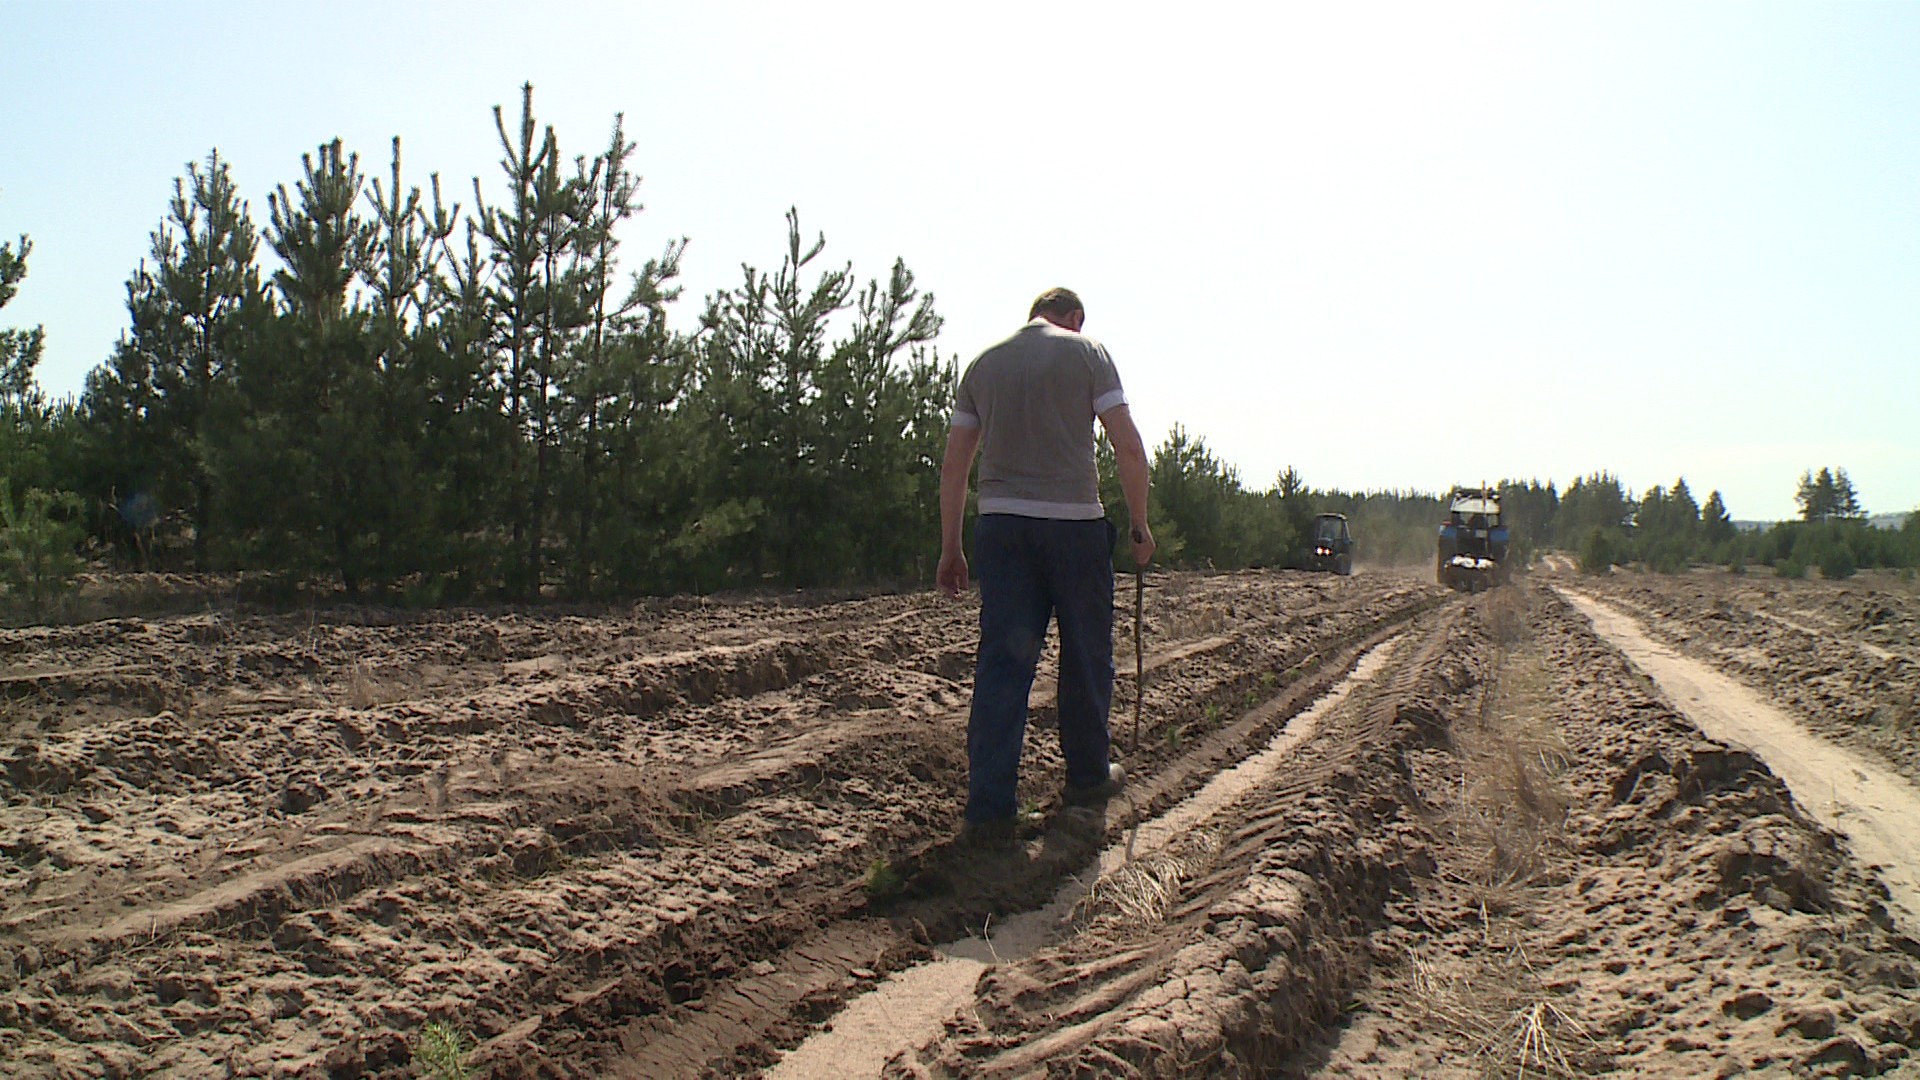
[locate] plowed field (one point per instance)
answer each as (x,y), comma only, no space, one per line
(1372,829)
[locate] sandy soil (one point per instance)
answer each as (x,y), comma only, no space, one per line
(1845,790)
(1375,829)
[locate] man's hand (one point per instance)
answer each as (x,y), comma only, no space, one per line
(1143,545)
(952,576)
(1130,460)
(962,444)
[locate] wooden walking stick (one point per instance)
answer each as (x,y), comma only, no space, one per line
(1139,657)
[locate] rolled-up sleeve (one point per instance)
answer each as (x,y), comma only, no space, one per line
(1107,391)
(965,413)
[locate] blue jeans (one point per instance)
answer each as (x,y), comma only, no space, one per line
(1031,570)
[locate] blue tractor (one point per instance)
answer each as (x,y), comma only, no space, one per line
(1473,546)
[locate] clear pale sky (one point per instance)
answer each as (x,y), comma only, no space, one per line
(1392,245)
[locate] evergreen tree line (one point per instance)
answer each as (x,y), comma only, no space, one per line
(37,535)
(448,402)
(451,401)
(1666,530)
(1206,517)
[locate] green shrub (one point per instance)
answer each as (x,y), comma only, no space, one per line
(1790,568)
(441,1052)
(1598,552)
(883,881)
(37,547)
(1837,562)
(1667,559)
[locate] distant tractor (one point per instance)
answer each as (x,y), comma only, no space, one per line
(1332,545)
(1473,542)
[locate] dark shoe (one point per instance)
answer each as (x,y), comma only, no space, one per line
(990,834)
(1098,793)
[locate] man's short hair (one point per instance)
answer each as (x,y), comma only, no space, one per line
(1060,302)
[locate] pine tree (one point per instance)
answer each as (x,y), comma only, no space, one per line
(627,370)
(764,348)
(1528,510)
(20,350)
(1816,495)
(1716,526)
(801,497)
(1650,518)
(320,237)
(815,446)
(406,250)
(1683,511)
(1826,495)
(540,311)
(38,536)
(23,408)
(152,407)
(1846,502)
(1296,503)
(731,429)
(883,425)
(1195,491)
(1593,501)
(408,263)
(466,435)
(316,462)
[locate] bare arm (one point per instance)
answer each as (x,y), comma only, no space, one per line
(962,444)
(1130,457)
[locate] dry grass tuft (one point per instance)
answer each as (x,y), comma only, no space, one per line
(1492,1004)
(1513,805)
(440,1050)
(1512,809)
(1142,892)
(1507,823)
(1450,1001)
(1537,1039)
(1506,616)
(364,689)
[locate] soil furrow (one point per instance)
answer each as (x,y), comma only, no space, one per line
(1622,897)
(945,890)
(574,856)
(1255,954)
(1847,660)
(674,839)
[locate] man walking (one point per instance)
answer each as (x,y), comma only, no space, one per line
(1043,546)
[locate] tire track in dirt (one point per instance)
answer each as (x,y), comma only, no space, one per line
(945,890)
(1847,662)
(1613,893)
(573,889)
(1245,959)
(494,831)
(342,755)
(908,1009)
(1873,806)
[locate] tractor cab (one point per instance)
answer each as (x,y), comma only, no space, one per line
(1331,544)
(1472,550)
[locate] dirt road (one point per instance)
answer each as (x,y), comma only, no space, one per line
(1849,792)
(1375,829)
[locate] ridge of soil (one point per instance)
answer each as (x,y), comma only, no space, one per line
(673,839)
(1845,657)
(281,845)
(1675,912)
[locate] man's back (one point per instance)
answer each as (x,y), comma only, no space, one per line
(1035,396)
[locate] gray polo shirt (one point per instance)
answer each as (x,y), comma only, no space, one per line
(1035,396)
